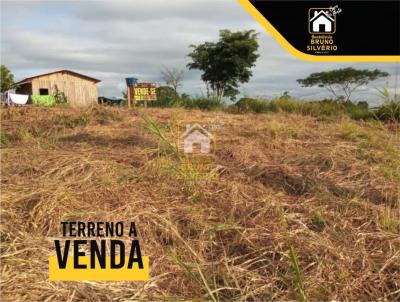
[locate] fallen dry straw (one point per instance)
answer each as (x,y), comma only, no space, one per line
(293,207)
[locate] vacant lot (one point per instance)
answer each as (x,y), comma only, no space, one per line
(292,207)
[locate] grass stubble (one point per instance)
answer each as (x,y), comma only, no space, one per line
(295,208)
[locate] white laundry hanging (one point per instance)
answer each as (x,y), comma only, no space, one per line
(18,99)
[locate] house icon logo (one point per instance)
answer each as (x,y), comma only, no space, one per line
(321,21)
(197,140)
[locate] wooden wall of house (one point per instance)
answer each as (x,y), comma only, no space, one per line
(79,90)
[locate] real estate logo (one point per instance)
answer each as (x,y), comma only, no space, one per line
(197,146)
(197,139)
(322,27)
(321,21)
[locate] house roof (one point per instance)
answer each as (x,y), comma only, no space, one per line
(196,127)
(28,80)
(321,13)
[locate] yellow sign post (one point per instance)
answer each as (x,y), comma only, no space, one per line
(144,92)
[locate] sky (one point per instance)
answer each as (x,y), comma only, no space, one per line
(112,40)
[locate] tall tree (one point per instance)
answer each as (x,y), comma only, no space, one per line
(6,78)
(172,77)
(226,63)
(345,80)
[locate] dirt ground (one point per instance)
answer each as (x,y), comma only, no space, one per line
(289,207)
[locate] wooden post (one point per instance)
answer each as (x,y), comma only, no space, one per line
(130,83)
(133,95)
(129,96)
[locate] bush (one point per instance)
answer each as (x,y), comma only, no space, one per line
(285,105)
(251,105)
(314,108)
(359,111)
(389,111)
(202,103)
(59,96)
(166,97)
(363,104)
(290,105)
(162,102)
(323,108)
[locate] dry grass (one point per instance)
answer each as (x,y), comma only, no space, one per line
(292,207)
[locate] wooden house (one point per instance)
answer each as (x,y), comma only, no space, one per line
(80,90)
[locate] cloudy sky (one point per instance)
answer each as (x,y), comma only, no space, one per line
(111,40)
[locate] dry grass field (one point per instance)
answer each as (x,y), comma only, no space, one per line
(291,207)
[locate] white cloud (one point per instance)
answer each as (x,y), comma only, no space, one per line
(111,40)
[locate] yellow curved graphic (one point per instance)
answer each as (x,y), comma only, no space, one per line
(301,55)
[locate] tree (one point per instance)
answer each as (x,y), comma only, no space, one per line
(226,63)
(345,79)
(6,78)
(172,77)
(285,95)
(166,92)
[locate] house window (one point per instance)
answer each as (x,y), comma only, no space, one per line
(43,91)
